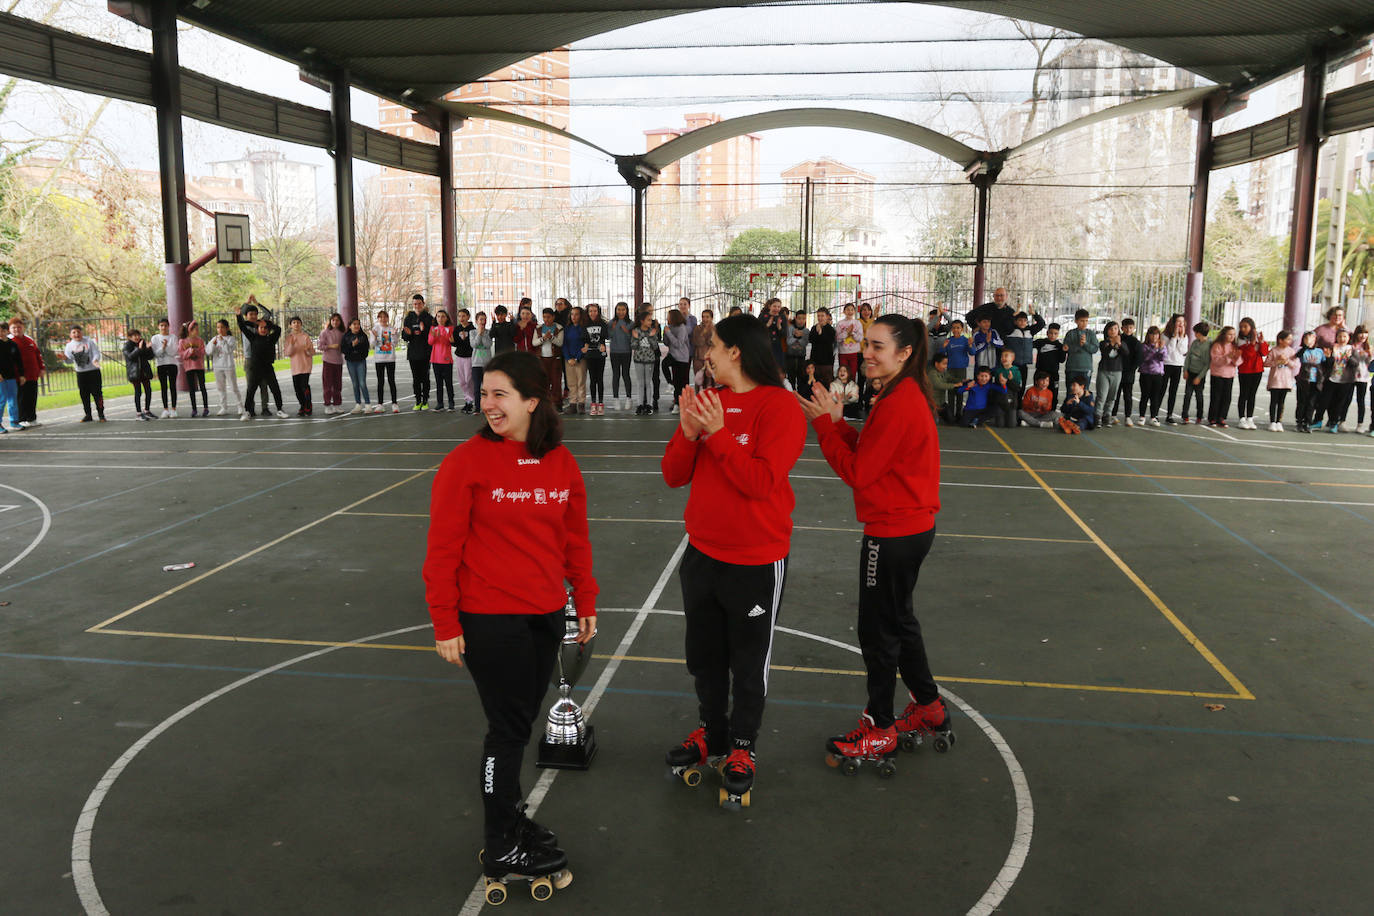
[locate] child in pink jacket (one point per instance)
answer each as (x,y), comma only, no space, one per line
(1225,360)
(301,349)
(191,353)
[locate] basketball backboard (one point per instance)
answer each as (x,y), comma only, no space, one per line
(232,239)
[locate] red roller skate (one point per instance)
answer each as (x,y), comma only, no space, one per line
(737,779)
(689,759)
(865,744)
(918,721)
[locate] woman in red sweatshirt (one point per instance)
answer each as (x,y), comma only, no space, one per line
(894,468)
(735,445)
(508,524)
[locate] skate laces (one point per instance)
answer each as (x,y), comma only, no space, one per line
(740,760)
(696,741)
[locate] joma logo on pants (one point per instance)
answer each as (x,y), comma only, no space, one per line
(489,776)
(871,567)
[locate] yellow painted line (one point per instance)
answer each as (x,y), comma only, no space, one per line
(1096,688)
(252,553)
(797,669)
(1242,692)
(1046,685)
(261,639)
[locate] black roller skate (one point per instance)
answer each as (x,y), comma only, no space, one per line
(737,779)
(918,721)
(528,833)
(544,867)
(866,743)
(691,757)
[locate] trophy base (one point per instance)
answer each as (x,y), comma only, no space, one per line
(567,756)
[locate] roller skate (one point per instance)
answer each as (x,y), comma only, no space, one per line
(544,867)
(689,759)
(528,833)
(918,721)
(865,744)
(737,779)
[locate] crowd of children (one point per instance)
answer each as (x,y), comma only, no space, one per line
(1329,367)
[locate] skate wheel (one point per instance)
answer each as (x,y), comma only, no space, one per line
(541,888)
(744,800)
(909,743)
(887,769)
(849,767)
(561,879)
(481,856)
(496,893)
(831,760)
(941,743)
(692,777)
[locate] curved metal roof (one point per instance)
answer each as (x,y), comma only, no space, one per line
(421,49)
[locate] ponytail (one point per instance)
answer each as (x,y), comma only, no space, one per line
(909,332)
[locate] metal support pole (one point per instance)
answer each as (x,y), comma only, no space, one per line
(980,238)
(341,111)
(807,199)
(447,215)
(171,165)
(1335,234)
(1197,227)
(1298,294)
(638,214)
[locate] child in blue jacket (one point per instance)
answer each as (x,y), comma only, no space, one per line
(1078,408)
(983,399)
(959,350)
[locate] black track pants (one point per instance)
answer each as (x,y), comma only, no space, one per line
(731,611)
(889,634)
(419,380)
(510,657)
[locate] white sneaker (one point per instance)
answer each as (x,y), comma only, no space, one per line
(1345,427)
(1047,424)
(1140,420)
(220,412)
(674,410)
(625,403)
(395,408)
(1362,428)
(357,408)
(1154,421)
(1276,427)
(281,414)
(376,408)
(1129,421)
(245,416)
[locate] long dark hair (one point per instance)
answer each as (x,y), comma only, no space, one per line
(526,373)
(755,352)
(909,332)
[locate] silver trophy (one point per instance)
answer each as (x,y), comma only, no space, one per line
(569,742)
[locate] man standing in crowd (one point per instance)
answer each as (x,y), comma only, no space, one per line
(1002,315)
(415,332)
(32,361)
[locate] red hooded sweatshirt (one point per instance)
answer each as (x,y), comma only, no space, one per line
(893,465)
(505,530)
(740,507)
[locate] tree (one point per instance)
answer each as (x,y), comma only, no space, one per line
(1357,252)
(1239,255)
(390,262)
(759,251)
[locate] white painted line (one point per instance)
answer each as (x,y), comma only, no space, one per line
(7,508)
(1227,462)
(42,532)
(1025,808)
(83,872)
(477,898)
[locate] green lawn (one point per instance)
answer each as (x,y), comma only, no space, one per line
(73,398)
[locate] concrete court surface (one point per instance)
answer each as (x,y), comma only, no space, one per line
(1158,641)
